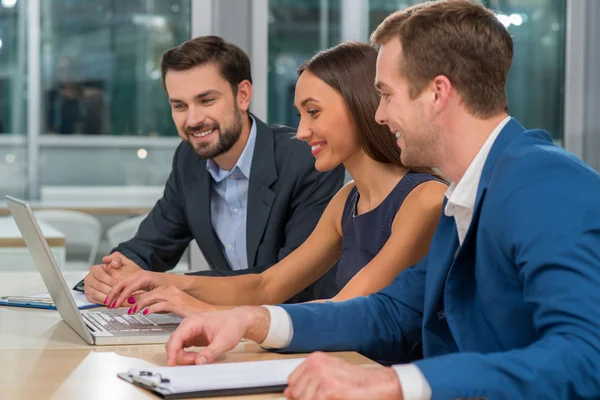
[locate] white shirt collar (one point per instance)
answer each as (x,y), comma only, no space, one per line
(464,193)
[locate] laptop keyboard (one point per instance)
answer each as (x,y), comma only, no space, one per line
(123,322)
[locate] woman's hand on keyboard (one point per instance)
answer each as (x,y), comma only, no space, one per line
(123,290)
(170,299)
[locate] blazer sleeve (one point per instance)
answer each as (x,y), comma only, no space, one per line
(552,229)
(382,326)
(164,235)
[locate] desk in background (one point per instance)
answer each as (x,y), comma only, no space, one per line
(98,208)
(14,255)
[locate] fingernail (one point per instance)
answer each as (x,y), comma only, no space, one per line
(134,309)
(105,300)
(131,300)
(129,311)
(201,360)
(145,311)
(114,304)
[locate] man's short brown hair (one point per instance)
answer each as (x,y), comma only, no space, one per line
(459,39)
(233,63)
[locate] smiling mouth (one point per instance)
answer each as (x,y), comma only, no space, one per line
(316,146)
(203,134)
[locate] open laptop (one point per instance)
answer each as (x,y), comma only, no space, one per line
(105,327)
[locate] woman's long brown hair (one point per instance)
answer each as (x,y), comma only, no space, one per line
(349,68)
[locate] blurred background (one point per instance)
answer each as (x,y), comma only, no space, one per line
(83,114)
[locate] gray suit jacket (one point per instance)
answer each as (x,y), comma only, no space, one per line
(286,197)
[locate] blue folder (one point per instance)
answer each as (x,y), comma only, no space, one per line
(41,302)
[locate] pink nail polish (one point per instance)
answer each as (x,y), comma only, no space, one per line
(131,300)
(134,309)
(114,304)
(129,311)
(145,311)
(105,300)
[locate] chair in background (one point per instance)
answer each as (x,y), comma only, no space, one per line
(82,231)
(123,231)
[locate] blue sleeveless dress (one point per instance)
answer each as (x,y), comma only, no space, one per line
(364,235)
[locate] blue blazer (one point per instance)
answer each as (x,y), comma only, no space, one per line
(516,314)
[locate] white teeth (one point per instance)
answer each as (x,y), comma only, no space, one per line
(397,134)
(313,148)
(202,134)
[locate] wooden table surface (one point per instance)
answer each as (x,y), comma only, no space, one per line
(41,357)
(91,373)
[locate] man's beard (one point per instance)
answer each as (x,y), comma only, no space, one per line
(227,137)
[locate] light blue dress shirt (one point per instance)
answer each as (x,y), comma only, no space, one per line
(229,204)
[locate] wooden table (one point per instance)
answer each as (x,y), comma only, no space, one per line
(41,357)
(91,373)
(14,255)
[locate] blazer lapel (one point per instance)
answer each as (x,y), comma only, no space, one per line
(199,213)
(263,174)
(509,133)
(444,246)
(441,255)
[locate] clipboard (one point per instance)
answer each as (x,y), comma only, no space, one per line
(214,380)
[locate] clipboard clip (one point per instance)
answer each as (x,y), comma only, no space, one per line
(149,379)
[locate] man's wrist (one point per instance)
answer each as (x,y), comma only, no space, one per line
(258,321)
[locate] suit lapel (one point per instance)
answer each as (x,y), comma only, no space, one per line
(260,195)
(505,137)
(443,249)
(442,261)
(199,205)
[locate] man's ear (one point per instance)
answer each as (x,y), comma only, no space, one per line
(442,88)
(244,95)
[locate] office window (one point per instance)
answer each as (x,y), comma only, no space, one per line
(13,128)
(101,65)
(13,47)
(297,30)
(536,80)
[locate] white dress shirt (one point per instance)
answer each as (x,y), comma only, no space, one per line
(462,195)
(461,202)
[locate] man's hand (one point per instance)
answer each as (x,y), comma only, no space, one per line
(169,299)
(325,377)
(117,260)
(121,291)
(219,332)
(101,278)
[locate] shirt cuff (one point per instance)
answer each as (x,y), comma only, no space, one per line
(413,382)
(281,329)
